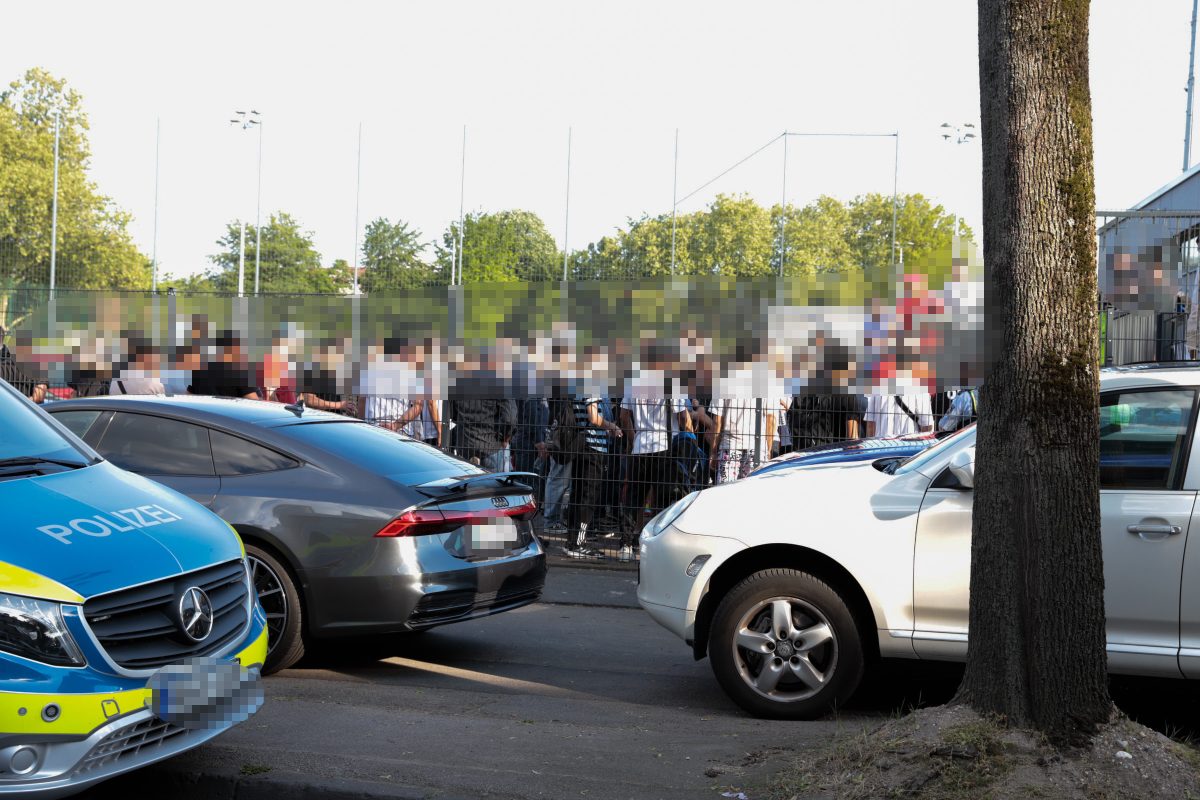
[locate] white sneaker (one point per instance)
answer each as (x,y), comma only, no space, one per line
(626,554)
(575,552)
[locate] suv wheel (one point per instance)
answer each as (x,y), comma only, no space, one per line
(281,603)
(784,645)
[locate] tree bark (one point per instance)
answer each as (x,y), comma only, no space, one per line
(1037,645)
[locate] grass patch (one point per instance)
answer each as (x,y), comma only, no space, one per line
(255,769)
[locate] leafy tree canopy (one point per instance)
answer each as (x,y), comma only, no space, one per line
(289,263)
(95,250)
(735,237)
(391,256)
(503,246)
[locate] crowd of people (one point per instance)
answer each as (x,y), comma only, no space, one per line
(605,460)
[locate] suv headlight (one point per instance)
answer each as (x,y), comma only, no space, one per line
(668,515)
(34,629)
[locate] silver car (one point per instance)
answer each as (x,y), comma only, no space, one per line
(790,581)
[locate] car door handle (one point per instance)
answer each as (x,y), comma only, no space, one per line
(1152,532)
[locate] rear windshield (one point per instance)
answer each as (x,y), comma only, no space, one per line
(381,451)
(24,432)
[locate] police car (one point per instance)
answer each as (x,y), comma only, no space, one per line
(792,580)
(128,630)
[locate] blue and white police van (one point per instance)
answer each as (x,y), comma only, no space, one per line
(129,631)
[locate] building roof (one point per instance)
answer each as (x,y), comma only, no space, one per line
(1175,182)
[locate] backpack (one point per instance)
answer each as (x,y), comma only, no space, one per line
(686,468)
(685,472)
(566,438)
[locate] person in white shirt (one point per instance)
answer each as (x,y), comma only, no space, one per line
(744,424)
(651,413)
(141,376)
(891,415)
(387,387)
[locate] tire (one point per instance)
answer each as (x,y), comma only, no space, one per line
(815,674)
(278,595)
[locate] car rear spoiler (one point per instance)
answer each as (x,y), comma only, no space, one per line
(500,481)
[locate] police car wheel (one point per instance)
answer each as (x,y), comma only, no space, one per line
(784,645)
(281,603)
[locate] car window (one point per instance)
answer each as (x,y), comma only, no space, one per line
(77,422)
(234,455)
(382,451)
(1143,438)
(152,445)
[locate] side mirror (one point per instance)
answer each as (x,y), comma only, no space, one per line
(962,466)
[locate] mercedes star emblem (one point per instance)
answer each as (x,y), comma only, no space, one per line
(195,614)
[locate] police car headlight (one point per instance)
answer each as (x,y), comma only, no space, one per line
(34,629)
(668,515)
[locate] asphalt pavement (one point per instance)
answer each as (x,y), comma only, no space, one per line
(579,696)
(582,695)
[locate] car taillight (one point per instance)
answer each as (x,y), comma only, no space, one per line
(427,521)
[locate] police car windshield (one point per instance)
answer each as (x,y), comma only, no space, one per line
(26,435)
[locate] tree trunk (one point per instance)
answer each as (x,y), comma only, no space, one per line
(1036,655)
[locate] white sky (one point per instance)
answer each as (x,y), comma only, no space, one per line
(623,74)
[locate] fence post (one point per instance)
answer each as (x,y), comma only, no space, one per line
(758,433)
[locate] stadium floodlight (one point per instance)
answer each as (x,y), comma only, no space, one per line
(958,134)
(248,121)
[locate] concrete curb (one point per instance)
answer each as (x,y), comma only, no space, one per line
(583,563)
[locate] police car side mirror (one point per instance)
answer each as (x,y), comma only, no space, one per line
(962,467)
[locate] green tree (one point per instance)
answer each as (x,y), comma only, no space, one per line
(289,263)
(1037,652)
(391,256)
(504,246)
(924,233)
(95,250)
(733,238)
(817,238)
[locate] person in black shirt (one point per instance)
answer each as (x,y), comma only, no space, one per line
(228,375)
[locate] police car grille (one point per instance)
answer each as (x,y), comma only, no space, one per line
(126,742)
(137,627)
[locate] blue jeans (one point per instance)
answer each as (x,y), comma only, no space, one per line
(557,483)
(498,461)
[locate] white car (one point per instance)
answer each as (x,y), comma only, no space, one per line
(790,581)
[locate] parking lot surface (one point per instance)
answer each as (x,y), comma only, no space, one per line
(552,700)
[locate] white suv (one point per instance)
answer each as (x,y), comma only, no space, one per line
(791,580)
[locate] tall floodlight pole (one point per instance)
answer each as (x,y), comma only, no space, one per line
(1191,81)
(246,121)
(462,185)
(895,197)
(567,221)
(674,201)
(258,211)
(357,198)
(154,238)
(242,261)
(783,211)
(957,134)
(54,211)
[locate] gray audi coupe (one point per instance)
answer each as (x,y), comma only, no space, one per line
(350,529)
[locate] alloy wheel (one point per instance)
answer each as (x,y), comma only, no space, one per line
(272,597)
(785,649)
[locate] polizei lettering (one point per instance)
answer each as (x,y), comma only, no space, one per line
(120,521)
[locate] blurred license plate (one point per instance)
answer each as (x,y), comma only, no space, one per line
(493,540)
(205,693)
